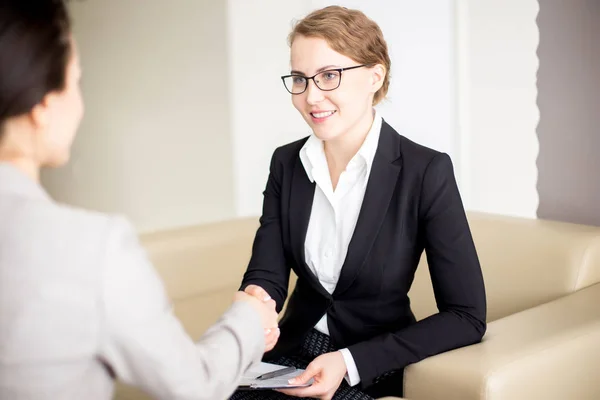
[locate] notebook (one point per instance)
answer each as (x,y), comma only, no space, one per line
(249,381)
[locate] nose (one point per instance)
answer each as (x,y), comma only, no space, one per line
(314,95)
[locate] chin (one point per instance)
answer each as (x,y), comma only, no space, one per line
(58,161)
(325,134)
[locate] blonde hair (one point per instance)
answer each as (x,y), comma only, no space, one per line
(351,33)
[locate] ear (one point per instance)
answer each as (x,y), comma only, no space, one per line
(40,114)
(378,72)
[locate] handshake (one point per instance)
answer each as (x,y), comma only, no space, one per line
(260,300)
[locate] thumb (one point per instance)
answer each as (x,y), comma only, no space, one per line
(305,376)
(258,292)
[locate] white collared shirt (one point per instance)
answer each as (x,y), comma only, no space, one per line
(334,215)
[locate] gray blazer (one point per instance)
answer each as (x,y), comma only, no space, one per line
(79,301)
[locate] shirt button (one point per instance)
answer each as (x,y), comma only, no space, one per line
(328,253)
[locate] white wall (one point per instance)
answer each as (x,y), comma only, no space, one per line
(421,97)
(262,116)
(185,104)
(463,82)
(155,143)
(420,37)
(498,115)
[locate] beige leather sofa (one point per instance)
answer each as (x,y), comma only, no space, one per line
(543,288)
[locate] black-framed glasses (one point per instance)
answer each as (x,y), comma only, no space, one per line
(327,80)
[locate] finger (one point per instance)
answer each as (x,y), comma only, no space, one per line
(258,292)
(316,390)
(310,372)
(270,346)
(270,303)
(271,340)
(272,334)
(261,293)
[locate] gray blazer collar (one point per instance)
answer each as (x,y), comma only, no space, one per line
(13,181)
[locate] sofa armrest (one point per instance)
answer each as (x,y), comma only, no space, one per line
(551,351)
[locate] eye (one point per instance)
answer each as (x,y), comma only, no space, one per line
(298,80)
(329,75)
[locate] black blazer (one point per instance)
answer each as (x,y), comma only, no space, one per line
(411,203)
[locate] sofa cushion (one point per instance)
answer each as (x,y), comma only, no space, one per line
(589,273)
(547,352)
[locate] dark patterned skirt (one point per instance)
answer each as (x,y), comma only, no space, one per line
(315,344)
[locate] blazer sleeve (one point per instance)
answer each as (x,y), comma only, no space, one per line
(457,283)
(268,267)
(146,346)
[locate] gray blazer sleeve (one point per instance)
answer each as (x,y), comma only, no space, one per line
(147,346)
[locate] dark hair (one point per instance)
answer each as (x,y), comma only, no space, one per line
(35,49)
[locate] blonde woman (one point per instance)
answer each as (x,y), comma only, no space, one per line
(350,209)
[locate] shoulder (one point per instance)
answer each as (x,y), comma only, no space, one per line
(97,224)
(57,226)
(421,157)
(109,232)
(108,243)
(284,157)
(290,150)
(428,161)
(54,242)
(415,158)
(46,217)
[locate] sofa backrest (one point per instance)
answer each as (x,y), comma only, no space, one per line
(203,258)
(525,262)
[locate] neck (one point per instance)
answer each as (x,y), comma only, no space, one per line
(12,151)
(340,151)
(26,166)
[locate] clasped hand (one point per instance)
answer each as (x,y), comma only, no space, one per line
(265,305)
(327,370)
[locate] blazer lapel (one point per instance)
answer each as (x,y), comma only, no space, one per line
(301,199)
(381,185)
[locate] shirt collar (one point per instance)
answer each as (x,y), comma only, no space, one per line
(312,154)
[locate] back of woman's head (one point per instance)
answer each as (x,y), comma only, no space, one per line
(351,33)
(35,49)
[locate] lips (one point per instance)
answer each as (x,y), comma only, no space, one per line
(322,114)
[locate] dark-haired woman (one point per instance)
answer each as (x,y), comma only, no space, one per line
(79,301)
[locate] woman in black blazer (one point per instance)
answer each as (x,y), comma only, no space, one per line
(350,210)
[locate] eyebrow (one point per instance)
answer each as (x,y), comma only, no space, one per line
(325,68)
